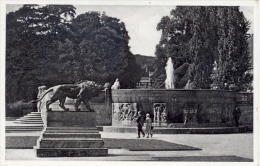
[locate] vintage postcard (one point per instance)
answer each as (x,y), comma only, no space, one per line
(129,82)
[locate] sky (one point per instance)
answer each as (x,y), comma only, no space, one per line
(140,22)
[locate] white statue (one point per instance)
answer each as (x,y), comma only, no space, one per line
(116,84)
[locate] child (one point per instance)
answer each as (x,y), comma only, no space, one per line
(148,125)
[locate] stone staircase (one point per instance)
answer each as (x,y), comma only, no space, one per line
(28,123)
(31,118)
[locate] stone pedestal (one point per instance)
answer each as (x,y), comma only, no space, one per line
(70,134)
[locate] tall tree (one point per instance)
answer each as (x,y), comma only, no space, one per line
(31,41)
(202,46)
(233,61)
(202,35)
(99,49)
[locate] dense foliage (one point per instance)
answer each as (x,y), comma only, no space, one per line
(202,36)
(49,45)
(147,64)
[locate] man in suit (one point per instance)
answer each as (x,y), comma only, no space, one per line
(140,123)
(236,115)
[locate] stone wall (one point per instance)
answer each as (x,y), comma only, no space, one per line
(211,106)
(244,101)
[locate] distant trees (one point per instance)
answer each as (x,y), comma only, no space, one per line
(202,35)
(48,45)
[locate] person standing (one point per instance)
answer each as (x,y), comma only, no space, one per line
(148,125)
(236,115)
(140,122)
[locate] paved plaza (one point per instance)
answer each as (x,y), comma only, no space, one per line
(222,145)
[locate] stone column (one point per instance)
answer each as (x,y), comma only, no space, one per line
(155,115)
(41,105)
(108,104)
(41,89)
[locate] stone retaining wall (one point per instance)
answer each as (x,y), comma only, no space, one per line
(210,106)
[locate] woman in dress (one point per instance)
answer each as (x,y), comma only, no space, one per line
(148,125)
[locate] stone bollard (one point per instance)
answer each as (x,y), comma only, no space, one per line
(41,105)
(41,89)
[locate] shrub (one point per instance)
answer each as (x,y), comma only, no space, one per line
(16,109)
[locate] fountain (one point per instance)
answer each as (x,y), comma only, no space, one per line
(169,74)
(204,107)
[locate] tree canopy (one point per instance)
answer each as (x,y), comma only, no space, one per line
(49,45)
(202,36)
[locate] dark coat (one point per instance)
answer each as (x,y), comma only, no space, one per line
(236,112)
(140,121)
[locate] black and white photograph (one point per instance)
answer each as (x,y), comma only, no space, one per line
(127,82)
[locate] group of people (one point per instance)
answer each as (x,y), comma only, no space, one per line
(140,123)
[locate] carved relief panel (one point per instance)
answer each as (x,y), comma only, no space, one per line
(160,112)
(125,111)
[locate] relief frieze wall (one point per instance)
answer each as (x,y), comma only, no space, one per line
(202,106)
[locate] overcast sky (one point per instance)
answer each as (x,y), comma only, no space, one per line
(140,21)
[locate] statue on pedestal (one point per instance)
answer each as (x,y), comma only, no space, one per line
(82,92)
(116,84)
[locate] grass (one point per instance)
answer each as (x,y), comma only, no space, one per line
(204,159)
(145,145)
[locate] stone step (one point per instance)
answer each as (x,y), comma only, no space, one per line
(72,152)
(21,130)
(28,122)
(71,128)
(28,116)
(71,143)
(31,120)
(70,135)
(23,127)
(34,113)
(31,116)
(71,131)
(71,139)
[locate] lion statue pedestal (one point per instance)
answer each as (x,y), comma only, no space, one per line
(70,134)
(70,129)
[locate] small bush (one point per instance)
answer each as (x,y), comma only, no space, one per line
(16,109)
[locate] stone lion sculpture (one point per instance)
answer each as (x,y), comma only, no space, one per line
(82,92)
